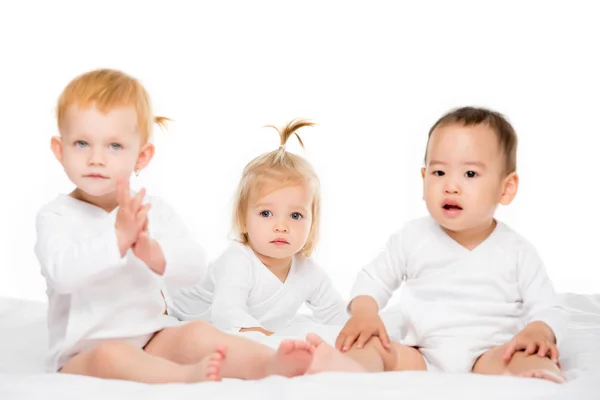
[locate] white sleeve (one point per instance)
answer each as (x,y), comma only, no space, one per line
(233,283)
(540,301)
(70,260)
(186,262)
(326,304)
(384,274)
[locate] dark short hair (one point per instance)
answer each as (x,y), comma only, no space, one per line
(469,116)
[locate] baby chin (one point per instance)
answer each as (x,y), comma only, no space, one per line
(453,220)
(278,251)
(96,187)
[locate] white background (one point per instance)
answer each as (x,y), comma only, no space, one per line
(374,75)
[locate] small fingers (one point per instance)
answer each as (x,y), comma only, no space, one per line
(543,350)
(384,337)
(145,227)
(137,201)
(339,342)
(349,341)
(554,353)
(510,350)
(362,339)
(142,217)
(531,348)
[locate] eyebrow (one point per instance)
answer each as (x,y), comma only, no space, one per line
(87,138)
(474,163)
(269,205)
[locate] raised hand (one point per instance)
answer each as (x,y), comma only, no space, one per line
(131,216)
(149,251)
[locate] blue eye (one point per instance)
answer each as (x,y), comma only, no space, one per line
(297,215)
(471,174)
(81,143)
(266,213)
(115,146)
(439,173)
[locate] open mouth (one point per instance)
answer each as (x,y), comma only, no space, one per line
(452,207)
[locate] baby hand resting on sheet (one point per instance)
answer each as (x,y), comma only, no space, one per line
(364,323)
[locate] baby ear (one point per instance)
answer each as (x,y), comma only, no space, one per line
(56,146)
(510,185)
(145,156)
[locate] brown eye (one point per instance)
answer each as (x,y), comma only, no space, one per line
(471,174)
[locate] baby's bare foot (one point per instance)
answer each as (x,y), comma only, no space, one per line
(293,357)
(209,368)
(328,358)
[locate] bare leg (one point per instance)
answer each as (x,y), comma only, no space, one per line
(328,358)
(121,360)
(532,366)
(246,359)
(408,359)
(369,356)
(375,358)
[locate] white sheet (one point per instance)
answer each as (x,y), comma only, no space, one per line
(23,345)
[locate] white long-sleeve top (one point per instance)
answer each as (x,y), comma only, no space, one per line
(93,292)
(487,294)
(241,292)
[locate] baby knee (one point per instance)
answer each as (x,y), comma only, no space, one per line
(108,353)
(198,329)
(387,356)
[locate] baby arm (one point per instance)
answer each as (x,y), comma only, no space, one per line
(373,288)
(71,259)
(233,283)
(326,303)
(545,318)
(380,278)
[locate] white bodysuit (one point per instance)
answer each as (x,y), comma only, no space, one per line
(94,294)
(456,303)
(241,292)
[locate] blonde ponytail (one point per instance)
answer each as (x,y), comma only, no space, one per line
(162,122)
(291,129)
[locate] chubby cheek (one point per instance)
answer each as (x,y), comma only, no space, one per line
(304,229)
(257,228)
(73,165)
(70,157)
(123,165)
(429,192)
(484,200)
